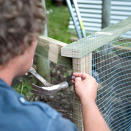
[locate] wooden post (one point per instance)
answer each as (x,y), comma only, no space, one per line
(42,62)
(45,24)
(80,65)
(106,11)
(50,50)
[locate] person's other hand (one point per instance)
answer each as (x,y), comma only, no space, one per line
(85,87)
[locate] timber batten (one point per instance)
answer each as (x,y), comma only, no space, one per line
(86,45)
(53,51)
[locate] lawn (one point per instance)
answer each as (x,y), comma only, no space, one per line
(58,21)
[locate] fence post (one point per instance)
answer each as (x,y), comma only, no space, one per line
(106,11)
(80,65)
(45,24)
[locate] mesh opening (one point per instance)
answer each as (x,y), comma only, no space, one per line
(111,66)
(112,69)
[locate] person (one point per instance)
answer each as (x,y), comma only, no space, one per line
(20,25)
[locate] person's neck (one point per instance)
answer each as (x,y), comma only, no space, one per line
(7,75)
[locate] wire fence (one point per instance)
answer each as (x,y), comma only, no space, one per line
(112,69)
(111,66)
(109,59)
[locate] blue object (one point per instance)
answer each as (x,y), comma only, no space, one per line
(18,114)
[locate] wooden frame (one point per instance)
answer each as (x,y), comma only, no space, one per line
(49,50)
(85,46)
(53,50)
(84,65)
(80,53)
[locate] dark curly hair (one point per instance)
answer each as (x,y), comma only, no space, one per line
(20,21)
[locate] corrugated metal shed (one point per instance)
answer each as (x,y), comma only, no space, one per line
(91,13)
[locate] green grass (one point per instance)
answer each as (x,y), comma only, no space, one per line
(23,87)
(58,22)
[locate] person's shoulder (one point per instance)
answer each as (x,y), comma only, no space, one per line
(34,115)
(54,120)
(62,124)
(44,108)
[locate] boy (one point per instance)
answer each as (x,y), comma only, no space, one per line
(20,22)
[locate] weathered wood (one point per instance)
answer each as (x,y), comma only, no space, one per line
(43,67)
(80,65)
(85,46)
(42,62)
(52,50)
(49,50)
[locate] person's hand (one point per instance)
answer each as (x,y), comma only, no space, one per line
(85,87)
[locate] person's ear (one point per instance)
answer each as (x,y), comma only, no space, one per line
(22,49)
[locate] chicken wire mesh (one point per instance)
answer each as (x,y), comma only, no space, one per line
(111,66)
(112,70)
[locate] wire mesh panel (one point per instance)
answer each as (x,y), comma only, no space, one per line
(111,66)
(112,69)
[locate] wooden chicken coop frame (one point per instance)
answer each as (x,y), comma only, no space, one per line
(78,55)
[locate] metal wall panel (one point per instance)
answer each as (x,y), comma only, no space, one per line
(120,9)
(91,13)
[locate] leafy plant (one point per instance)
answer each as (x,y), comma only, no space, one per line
(23,86)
